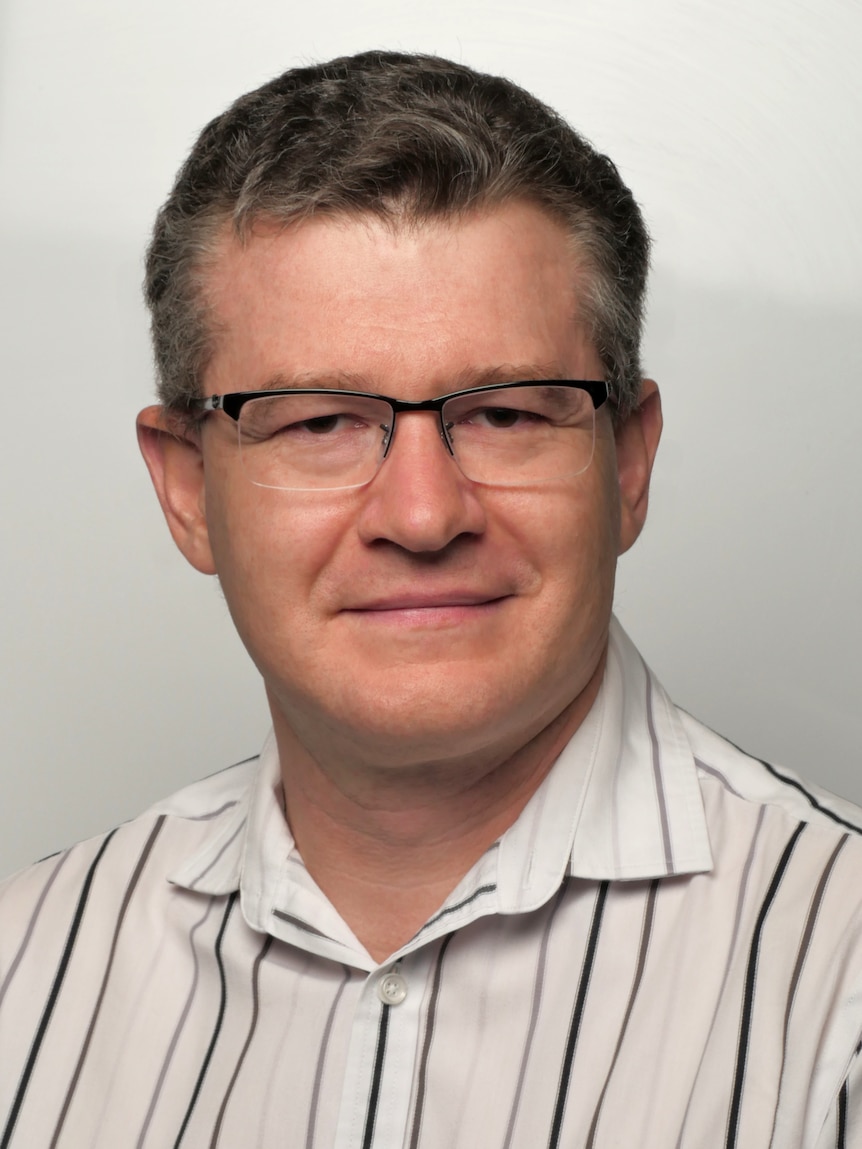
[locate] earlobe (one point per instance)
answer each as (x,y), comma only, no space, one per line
(637,441)
(174,460)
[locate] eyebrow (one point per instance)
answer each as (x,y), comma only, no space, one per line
(462,381)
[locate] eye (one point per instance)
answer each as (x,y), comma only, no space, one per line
(522,410)
(497,418)
(312,416)
(275,424)
(504,417)
(325,424)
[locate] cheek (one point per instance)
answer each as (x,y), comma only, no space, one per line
(569,534)
(597,525)
(272,550)
(579,564)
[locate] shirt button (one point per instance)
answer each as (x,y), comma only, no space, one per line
(392,989)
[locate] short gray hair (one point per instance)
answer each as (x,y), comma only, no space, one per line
(398,136)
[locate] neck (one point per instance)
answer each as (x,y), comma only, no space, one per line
(387,845)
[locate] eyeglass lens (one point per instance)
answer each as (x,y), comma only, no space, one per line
(510,436)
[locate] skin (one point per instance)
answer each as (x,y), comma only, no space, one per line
(428,644)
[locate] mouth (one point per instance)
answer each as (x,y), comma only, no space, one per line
(414,609)
(429,601)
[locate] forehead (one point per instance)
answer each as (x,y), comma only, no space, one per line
(420,301)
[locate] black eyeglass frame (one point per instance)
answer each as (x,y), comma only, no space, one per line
(233,403)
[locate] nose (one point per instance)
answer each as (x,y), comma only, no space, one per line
(420,500)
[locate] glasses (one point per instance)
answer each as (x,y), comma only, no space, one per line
(328,439)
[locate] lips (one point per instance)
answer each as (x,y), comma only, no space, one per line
(424,600)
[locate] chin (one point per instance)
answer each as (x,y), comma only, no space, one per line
(435,712)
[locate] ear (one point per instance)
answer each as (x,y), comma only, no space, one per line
(637,442)
(174,460)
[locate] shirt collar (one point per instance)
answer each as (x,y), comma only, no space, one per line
(622,802)
(643,814)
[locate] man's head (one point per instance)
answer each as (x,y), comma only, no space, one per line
(401,226)
(402,138)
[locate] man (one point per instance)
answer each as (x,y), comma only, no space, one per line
(485,885)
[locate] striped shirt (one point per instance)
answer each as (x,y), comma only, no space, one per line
(663,952)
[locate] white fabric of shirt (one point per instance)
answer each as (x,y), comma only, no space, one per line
(663,952)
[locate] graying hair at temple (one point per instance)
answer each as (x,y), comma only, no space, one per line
(406,138)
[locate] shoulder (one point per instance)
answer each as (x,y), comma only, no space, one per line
(764,784)
(46,902)
(783,843)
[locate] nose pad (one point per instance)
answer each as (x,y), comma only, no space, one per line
(444,435)
(389,435)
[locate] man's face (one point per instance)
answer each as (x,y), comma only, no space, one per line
(421,616)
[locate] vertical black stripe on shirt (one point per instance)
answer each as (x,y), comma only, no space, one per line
(374,1097)
(646,933)
(535,1006)
(321,1059)
(178,1028)
(741,895)
(430,1020)
(255,1012)
(53,995)
(841,1133)
(94,1017)
(231,902)
(802,952)
(810,922)
(577,1014)
(748,996)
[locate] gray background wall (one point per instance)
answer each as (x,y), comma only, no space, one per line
(737,124)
